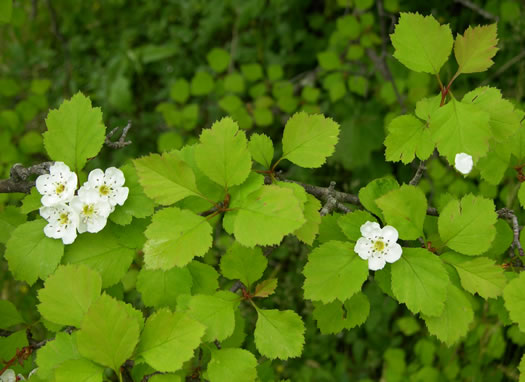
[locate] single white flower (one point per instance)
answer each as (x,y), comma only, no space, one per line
(108,185)
(92,211)
(58,186)
(463,163)
(377,245)
(62,222)
(8,376)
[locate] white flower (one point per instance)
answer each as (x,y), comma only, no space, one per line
(58,186)
(8,376)
(463,163)
(377,245)
(92,211)
(108,185)
(63,222)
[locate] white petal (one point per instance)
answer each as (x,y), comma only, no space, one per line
(376,262)
(463,163)
(120,196)
(88,195)
(393,253)
(390,234)
(51,231)
(363,248)
(76,204)
(69,235)
(370,230)
(96,224)
(82,227)
(8,376)
(44,184)
(46,212)
(59,168)
(115,177)
(103,208)
(96,178)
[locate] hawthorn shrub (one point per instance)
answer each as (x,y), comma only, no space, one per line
(228,256)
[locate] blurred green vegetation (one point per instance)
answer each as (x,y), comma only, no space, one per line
(173,67)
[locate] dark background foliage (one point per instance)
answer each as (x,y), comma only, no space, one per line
(149,62)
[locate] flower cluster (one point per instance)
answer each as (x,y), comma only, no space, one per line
(88,210)
(378,245)
(10,376)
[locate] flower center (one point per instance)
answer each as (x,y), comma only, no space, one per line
(64,218)
(379,246)
(88,209)
(104,190)
(60,188)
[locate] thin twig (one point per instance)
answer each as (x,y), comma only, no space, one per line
(418,175)
(504,67)
(19,177)
(121,142)
(331,201)
(508,214)
(477,9)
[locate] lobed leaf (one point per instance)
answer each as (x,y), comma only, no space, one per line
(75,132)
(421,43)
(475,49)
(309,139)
(408,137)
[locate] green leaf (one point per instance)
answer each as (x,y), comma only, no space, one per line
(309,139)
(216,313)
(357,310)
(31,254)
(175,237)
(329,60)
(180,91)
(137,204)
(56,352)
(11,217)
(330,317)
(109,333)
(205,278)
(407,137)
(504,119)
(234,83)
(420,43)
(475,49)
(420,281)
(265,288)
(460,127)
(492,167)
(261,148)
(6,10)
(478,275)
(468,226)
(31,202)
(334,271)
(521,195)
(405,208)
(515,300)
(166,178)
(351,223)
(75,132)
(219,59)
(169,339)
(9,316)
(279,334)
(79,370)
(11,344)
(223,153)
(267,215)
(102,252)
(232,365)
(252,72)
(426,107)
(201,84)
(68,294)
(375,189)
(160,288)
(456,318)
(244,264)
(309,230)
